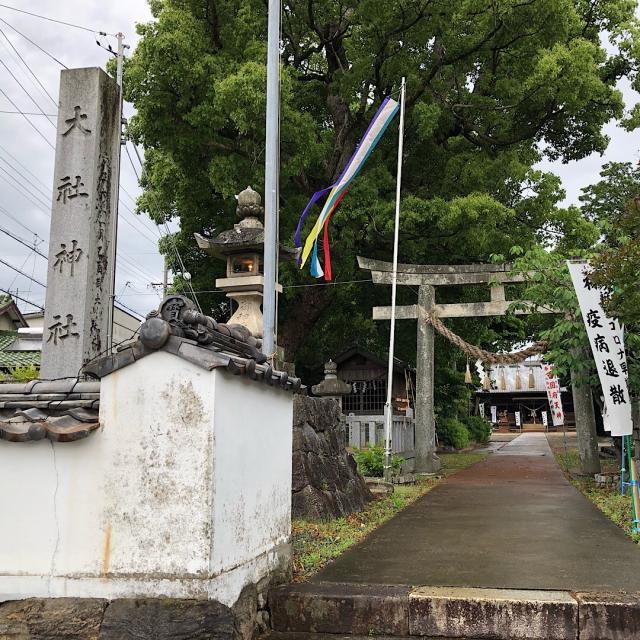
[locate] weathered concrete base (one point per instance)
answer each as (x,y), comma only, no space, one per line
(275,565)
(492,613)
(341,608)
(609,616)
(315,611)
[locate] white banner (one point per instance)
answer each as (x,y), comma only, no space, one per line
(607,344)
(494,414)
(518,420)
(481,408)
(545,420)
(553,395)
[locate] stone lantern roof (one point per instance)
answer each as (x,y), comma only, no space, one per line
(246,235)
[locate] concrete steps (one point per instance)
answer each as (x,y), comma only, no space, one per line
(331,611)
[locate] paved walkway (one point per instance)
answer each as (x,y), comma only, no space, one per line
(511,521)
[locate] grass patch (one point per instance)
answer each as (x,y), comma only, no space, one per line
(316,543)
(616,507)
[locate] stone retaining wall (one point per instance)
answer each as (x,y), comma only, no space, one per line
(136,619)
(326,482)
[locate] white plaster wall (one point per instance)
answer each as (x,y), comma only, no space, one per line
(252,459)
(184,491)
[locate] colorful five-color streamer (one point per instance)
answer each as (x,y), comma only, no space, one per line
(377,127)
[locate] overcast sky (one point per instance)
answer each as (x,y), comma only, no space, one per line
(26,158)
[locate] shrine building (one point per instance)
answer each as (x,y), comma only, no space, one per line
(521,388)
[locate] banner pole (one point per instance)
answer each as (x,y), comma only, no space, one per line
(623,468)
(388,409)
(635,497)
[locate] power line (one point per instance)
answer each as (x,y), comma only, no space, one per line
(22,266)
(15,295)
(35,44)
(169,235)
(28,113)
(133,269)
(40,191)
(32,279)
(67,24)
(4,64)
(22,273)
(23,242)
(291,286)
(24,194)
(137,217)
(24,62)
(12,217)
(124,307)
(35,195)
(46,188)
(27,119)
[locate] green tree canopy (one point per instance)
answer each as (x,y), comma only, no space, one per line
(493,86)
(613,204)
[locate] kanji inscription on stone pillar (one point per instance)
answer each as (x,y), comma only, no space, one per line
(84,207)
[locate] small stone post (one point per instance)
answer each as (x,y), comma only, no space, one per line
(426,459)
(85,196)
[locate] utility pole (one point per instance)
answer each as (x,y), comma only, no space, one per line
(114,234)
(271,176)
(165,279)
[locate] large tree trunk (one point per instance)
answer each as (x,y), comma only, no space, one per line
(300,316)
(586,428)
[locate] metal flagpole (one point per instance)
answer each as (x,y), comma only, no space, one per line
(271,178)
(388,410)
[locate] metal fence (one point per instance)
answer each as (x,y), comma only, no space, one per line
(363,431)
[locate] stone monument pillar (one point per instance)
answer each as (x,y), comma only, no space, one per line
(85,197)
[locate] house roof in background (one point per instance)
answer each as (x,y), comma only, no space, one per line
(399,366)
(12,359)
(9,307)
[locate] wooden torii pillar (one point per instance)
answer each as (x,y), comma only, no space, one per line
(427,278)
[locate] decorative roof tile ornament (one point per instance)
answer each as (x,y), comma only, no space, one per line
(179,328)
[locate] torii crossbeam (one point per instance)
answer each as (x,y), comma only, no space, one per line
(427,277)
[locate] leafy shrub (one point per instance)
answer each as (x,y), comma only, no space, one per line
(370,461)
(453,433)
(25,373)
(479,429)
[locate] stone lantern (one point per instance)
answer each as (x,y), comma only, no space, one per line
(243,249)
(331,386)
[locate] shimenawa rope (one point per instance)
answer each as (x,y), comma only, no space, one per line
(476,352)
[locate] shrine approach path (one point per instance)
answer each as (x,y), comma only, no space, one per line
(511,521)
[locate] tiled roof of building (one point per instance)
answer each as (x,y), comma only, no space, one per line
(13,359)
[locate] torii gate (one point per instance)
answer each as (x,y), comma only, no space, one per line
(427,278)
